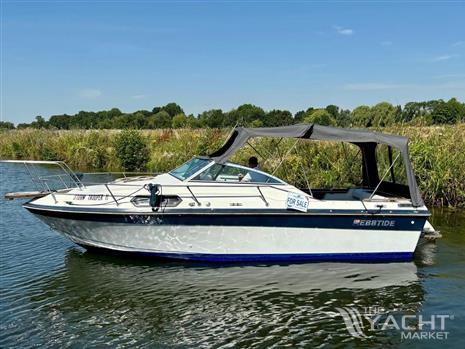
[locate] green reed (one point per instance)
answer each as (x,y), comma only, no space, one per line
(437,153)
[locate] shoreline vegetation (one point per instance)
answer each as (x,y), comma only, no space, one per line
(160,139)
(172,115)
(437,153)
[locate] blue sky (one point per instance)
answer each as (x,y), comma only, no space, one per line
(62,57)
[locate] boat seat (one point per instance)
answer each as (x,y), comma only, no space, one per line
(352,194)
(338,196)
(349,195)
(360,194)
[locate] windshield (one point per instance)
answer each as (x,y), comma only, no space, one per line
(189,168)
(233,173)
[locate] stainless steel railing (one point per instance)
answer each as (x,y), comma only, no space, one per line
(71,180)
(190,188)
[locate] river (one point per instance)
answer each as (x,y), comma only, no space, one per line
(55,294)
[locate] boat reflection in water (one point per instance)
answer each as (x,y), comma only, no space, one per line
(106,300)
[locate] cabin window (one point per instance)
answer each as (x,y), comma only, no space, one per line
(391,171)
(228,173)
(390,164)
(165,201)
(307,164)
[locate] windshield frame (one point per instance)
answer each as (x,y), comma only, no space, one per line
(247,169)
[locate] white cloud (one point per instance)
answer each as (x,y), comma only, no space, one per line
(443,58)
(344,31)
(458,43)
(90,93)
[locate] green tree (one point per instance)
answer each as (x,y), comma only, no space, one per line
(380,115)
(361,116)
(448,112)
(212,118)
(160,120)
(143,112)
(193,122)
(120,122)
(131,150)
(137,120)
(299,116)
(39,123)
(333,110)
(383,114)
(411,111)
(6,125)
(419,112)
(320,117)
(458,108)
(278,118)
(60,122)
(105,123)
(255,123)
(114,112)
(179,121)
(443,114)
(343,119)
(244,115)
(171,108)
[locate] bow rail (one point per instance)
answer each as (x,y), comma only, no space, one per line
(45,183)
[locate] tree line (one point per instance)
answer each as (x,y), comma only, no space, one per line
(173,116)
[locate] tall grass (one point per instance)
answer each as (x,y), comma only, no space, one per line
(437,153)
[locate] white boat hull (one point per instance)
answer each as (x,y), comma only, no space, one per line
(240,243)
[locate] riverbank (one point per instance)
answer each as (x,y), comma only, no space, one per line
(436,151)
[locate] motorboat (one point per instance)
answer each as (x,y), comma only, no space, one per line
(212,209)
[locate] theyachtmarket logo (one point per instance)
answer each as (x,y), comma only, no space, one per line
(411,326)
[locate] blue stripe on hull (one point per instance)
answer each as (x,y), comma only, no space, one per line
(293,220)
(301,257)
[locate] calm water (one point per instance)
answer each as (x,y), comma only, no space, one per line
(54,294)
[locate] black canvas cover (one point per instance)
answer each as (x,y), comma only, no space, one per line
(366,140)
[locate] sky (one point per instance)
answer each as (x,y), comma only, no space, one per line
(65,56)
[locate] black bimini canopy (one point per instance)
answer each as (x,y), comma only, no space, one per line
(366,140)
